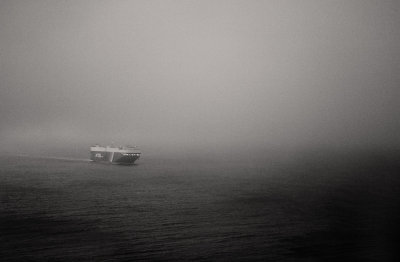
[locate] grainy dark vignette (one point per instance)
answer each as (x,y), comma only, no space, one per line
(269,130)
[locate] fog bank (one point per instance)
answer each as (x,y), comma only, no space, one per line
(199,75)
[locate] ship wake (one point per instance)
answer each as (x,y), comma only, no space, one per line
(57,158)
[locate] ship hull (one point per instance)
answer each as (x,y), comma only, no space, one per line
(114,155)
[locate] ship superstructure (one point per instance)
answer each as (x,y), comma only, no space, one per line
(117,155)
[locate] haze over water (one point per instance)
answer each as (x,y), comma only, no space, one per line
(199,74)
(269,130)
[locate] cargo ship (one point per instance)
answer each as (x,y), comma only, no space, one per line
(124,155)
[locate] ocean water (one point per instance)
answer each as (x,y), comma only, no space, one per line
(300,207)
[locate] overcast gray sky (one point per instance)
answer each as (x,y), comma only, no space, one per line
(200,73)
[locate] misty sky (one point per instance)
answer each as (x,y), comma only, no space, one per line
(200,73)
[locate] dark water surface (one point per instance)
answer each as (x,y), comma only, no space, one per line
(315,207)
